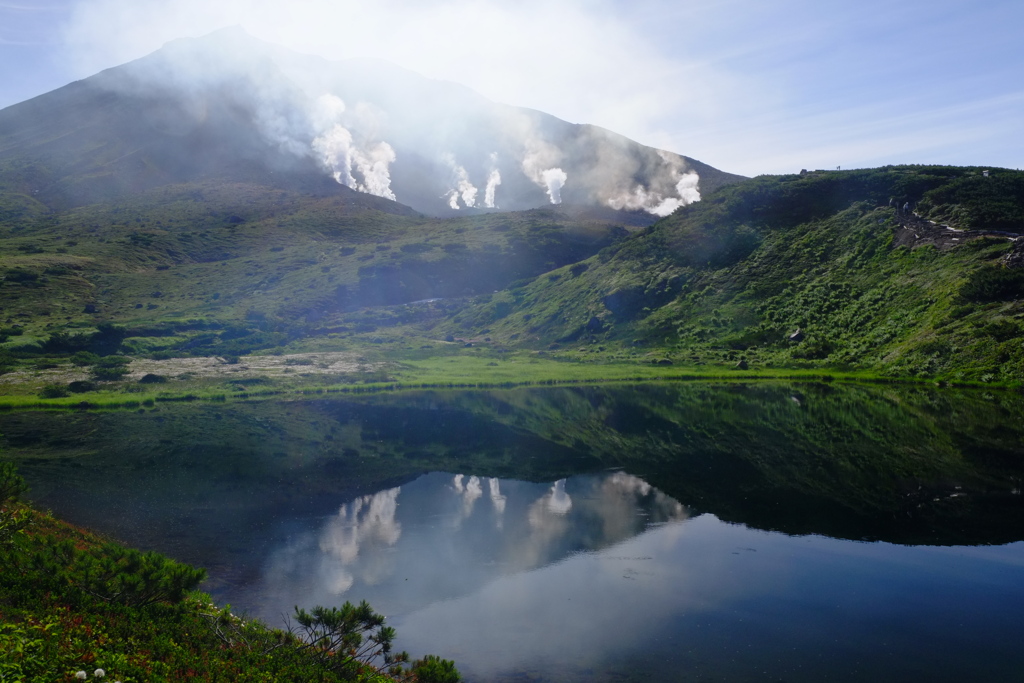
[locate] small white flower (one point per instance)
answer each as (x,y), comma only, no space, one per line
(81,675)
(99,673)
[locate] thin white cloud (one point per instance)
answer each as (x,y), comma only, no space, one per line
(747,86)
(892,132)
(27,25)
(574,59)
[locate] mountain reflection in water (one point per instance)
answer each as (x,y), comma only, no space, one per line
(822,532)
(602,577)
(442,536)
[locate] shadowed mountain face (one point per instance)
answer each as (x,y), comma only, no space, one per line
(232,107)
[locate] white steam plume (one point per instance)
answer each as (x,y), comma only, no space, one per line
(687,188)
(335,148)
(554,179)
(654,202)
(493,180)
(327,111)
(466,188)
(278,125)
(461,185)
(373,164)
(539,166)
(453,199)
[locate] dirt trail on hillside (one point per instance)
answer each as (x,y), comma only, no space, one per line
(914,231)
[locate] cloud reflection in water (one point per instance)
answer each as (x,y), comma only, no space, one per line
(497,500)
(368,524)
(439,538)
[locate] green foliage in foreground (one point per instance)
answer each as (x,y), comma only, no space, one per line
(115,574)
(349,629)
(13,519)
(71,602)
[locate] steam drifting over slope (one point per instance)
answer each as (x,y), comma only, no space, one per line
(229,105)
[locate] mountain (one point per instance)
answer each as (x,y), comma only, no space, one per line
(223,196)
(821,269)
(818,270)
(230,107)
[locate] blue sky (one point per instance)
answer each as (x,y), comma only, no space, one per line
(749,86)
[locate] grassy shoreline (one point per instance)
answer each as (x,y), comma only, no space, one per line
(467,373)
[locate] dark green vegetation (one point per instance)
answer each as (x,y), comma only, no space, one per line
(815,271)
(235,268)
(70,602)
(810,270)
(229,270)
(12,519)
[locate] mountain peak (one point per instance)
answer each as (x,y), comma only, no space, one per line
(235,37)
(227,103)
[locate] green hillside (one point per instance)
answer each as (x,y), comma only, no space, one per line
(822,270)
(810,270)
(186,269)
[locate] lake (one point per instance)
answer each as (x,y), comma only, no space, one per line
(733,532)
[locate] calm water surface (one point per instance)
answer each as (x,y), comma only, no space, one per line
(768,533)
(602,577)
